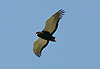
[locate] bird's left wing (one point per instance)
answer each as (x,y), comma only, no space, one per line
(39,44)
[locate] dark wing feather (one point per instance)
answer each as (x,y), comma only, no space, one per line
(39,44)
(52,22)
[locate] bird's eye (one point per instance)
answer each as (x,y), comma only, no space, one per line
(37,33)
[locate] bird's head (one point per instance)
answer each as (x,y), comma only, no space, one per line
(38,33)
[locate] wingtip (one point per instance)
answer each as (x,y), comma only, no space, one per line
(61,12)
(38,54)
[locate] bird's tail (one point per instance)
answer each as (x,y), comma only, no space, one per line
(54,39)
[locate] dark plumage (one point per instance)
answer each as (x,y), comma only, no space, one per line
(47,34)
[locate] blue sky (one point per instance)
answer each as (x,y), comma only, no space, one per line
(78,34)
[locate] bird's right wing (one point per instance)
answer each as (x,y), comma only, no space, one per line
(52,22)
(39,44)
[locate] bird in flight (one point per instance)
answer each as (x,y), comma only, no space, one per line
(46,34)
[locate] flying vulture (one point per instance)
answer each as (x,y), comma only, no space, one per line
(46,34)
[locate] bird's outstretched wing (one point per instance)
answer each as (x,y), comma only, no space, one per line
(52,22)
(39,44)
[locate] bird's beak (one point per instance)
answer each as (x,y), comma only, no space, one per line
(37,34)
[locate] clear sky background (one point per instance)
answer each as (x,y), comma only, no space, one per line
(78,34)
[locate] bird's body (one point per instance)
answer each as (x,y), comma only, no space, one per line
(47,34)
